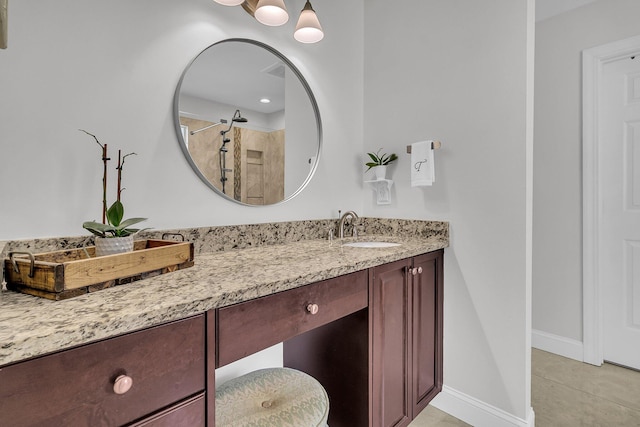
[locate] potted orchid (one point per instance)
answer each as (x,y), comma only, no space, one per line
(379,163)
(114,234)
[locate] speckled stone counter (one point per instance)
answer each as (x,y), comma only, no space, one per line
(31,326)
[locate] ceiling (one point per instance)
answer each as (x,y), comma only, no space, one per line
(547,8)
(237,74)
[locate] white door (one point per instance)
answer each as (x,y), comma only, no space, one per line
(619,237)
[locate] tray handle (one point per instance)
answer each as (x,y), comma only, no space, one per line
(84,246)
(15,264)
(173,234)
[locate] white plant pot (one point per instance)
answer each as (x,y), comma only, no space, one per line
(380,172)
(113,245)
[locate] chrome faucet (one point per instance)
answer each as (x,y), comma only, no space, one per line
(343,219)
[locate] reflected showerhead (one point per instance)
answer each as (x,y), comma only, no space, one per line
(237,117)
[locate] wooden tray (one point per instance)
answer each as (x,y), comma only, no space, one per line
(65,274)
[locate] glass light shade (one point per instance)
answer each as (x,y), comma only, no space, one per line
(308,29)
(229,2)
(271,12)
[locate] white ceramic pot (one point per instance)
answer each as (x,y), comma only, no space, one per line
(380,172)
(113,245)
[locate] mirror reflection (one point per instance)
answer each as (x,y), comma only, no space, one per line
(248,123)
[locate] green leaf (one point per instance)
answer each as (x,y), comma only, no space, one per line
(371,165)
(390,159)
(98,228)
(129,231)
(128,222)
(116,227)
(115,213)
(380,160)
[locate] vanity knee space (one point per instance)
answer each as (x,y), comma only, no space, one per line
(378,329)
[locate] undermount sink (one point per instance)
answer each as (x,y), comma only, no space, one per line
(371,244)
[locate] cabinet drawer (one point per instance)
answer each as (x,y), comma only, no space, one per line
(254,325)
(76,387)
(190,413)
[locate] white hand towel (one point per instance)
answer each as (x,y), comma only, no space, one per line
(423,171)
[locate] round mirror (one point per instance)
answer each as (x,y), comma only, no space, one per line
(248,122)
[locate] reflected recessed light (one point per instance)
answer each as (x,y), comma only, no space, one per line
(265,100)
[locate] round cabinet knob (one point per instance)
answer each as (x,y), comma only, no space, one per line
(414,271)
(122,384)
(313,308)
(419,270)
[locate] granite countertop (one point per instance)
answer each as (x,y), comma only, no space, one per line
(31,326)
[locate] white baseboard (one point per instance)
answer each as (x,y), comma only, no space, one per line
(478,413)
(556,344)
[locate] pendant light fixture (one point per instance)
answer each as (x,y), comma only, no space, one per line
(230,2)
(308,29)
(274,13)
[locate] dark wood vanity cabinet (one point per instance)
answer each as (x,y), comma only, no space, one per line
(373,338)
(77,387)
(405,308)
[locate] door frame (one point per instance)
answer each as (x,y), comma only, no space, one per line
(593,61)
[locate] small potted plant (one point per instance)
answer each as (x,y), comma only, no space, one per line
(114,234)
(379,163)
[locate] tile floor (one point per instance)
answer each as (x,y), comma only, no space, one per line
(567,393)
(432,417)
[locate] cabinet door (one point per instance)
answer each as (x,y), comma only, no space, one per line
(427,330)
(390,309)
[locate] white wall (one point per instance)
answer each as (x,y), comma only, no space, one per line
(547,8)
(112,68)
(452,70)
(557,275)
(457,71)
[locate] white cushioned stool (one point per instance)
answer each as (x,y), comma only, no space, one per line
(278,397)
